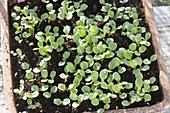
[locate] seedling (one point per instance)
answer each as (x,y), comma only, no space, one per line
(66,11)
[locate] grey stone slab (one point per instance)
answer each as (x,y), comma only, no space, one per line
(162,16)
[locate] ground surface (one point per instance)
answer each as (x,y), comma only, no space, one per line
(163,22)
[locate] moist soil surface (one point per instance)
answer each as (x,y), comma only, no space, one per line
(33,58)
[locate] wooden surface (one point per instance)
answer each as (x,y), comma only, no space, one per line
(162,15)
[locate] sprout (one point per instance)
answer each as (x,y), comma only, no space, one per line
(103,74)
(66,11)
(29,75)
(46,94)
(82,32)
(122,70)
(154,88)
(94,76)
(153,58)
(85,89)
(84,65)
(95,102)
(132,47)
(125,103)
(62,87)
(123,95)
(99,18)
(142,49)
(104,85)
(73,96)
(66,55)
(70,68)
(101,110)
(94,30)
(63,76)
(147,97)
(19,52)
(34,88)
(83,7)
(133,63)
(152,80)
(44,87)
(25,66)
(112,46)
(50,15)
(77,60)
(44,73)
(66,101)
(145,68)
(75,105)
(67,29)
(53,89)
(57,101)
(115,62)
(138,82)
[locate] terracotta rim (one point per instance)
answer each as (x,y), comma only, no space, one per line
(157,108)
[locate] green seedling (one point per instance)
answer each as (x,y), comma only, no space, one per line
(66,55)
(51,16)
(66,10)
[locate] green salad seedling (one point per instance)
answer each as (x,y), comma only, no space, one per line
(25,66)
(70,68)
(57,101)
(153,58)
(154,88)
(63,76)
(124,1)
(145,68)
(99,18)
(62,87)
(20,91)
(95,102)
(121,70)
(66,10)
(50,15)
(66,101)
(29,20)
(35,88)
(66,30)
(79,8)
(84,65)
(29,75)
(44,88)
(44,73)
(31,105)
(85,89)
(46,94)
(147,97)
(18,39)
(65,56)
(125,103)
(75,104)
(73,96)
(115,62)
(19,52)
(77,60)
(17,27)
(45,1)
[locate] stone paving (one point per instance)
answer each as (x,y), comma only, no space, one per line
(162,15)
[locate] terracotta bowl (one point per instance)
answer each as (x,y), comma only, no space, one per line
(157,108)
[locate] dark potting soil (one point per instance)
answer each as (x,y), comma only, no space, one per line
(33,58)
